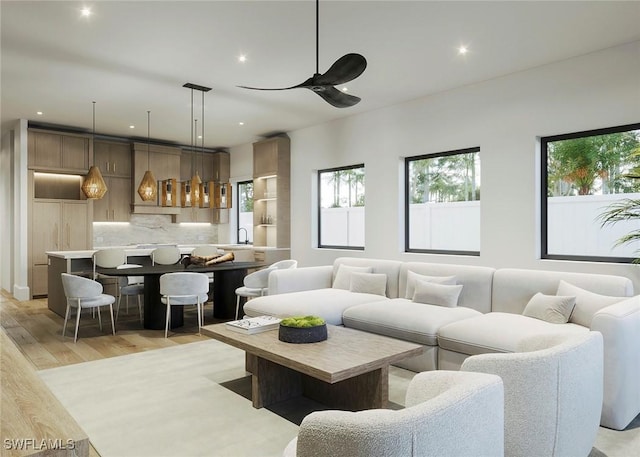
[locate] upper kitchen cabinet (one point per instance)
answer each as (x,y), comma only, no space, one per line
(270,156)
(113,158)
(164,163)
(52,151)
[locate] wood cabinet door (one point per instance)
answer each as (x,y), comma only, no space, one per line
(265,158)
(120,199)
(44,150)
(120,159)
(102,207)
(221,167)
(39,280)
(101,156)
(75,153)
(46,230)
(75,222)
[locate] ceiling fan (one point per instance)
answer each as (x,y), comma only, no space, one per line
(345,69)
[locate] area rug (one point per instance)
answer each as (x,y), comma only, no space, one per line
(194,400)
(187,400)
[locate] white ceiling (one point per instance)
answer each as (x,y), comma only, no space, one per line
(131,57)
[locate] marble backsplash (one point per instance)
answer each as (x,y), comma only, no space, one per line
(148,229)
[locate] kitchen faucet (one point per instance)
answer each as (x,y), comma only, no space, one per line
(246,235)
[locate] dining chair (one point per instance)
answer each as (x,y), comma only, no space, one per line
(255,285)
(130,286)
(181,289)
(85,293)
(166,255)
(206,250)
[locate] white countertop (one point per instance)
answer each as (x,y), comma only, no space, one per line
(146,251)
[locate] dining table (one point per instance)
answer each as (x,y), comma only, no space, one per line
(227,277)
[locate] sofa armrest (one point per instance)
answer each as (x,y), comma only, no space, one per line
(619,325)
(299,279)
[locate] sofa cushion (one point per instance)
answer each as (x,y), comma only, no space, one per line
(587,303)
(436,294)
(513,288)
(343,276)
(368,283)
(401,318)
(326,303)
(412,277)
(477,281)
(498,332)
(555,309)
(389,267)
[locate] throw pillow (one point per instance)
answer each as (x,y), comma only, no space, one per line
(430,293)
(587,303)
(343,276)
(412,276)
(369,283)
(550,308)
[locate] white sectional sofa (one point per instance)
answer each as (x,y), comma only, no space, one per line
(488,316)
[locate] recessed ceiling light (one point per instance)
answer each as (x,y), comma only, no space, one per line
(199,137)
(242,58)
(85,12)
(132,126)
(462,50)
(39,113)
(345,89)
(240,123)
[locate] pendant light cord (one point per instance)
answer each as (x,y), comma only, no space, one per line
(148,139)
(202,128)
(191,128)
(93,134)
(317,36)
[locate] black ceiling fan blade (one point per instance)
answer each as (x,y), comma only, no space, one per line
(335,97)
(345,69)
(303,84)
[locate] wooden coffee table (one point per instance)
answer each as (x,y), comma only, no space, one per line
(350,370)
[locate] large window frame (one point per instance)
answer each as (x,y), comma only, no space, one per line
(544,207)
(249,236)
(319,206)
(407,203)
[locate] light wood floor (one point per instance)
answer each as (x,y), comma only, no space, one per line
(37,332)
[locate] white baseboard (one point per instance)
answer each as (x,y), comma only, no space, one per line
(21,293)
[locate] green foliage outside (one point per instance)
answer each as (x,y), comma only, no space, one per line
(452,178)
(302,321)
(593,165)
(347,187)
(245,195)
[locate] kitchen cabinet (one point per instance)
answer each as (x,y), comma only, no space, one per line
(52,151)
(164,163)
(271,193)
(115,206)
(113,158)
(56,225)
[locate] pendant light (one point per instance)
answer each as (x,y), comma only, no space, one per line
(148,188)
(205,201)
(195,179)
(93,185)
(190,190)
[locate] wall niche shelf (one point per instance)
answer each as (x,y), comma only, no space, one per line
(271,211)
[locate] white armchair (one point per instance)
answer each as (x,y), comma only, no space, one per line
(553,394)
(447,413)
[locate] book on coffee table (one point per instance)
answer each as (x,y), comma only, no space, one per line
(254,324)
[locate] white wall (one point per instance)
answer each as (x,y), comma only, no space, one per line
(6,211)
(504,116)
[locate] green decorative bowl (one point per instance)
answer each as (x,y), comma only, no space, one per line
(307,329)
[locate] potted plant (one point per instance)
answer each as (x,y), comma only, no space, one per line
(302,329)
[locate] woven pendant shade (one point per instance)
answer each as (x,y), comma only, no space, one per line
(93,185)
(148,188)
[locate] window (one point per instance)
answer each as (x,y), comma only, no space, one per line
(586,175)
(442,202)
(245,211)
(341,207)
